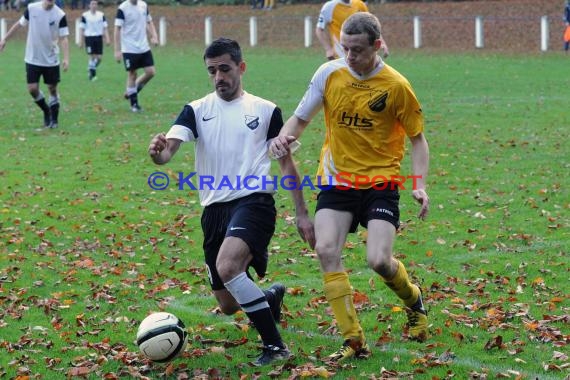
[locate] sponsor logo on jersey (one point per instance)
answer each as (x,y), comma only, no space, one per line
(252,122)
(354,120)
(377,103)
(359,85)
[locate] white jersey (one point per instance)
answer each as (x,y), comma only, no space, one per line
(93,24)
(133,20)
(45,27)
(231,154)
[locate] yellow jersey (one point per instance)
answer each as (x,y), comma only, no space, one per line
(332,15)
(367,119)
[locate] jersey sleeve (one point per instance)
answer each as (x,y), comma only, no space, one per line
(25,18)
(148,16)
(119,18)
(312,100)
(275,124)
(184,128)
(409,110)
(325,16)
(63,29)
(83,22)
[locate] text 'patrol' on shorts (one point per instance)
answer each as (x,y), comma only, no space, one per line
(134,61)
(364,204)
(251,218)
(50,73)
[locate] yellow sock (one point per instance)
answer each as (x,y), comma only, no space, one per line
(402,286)
(339,294)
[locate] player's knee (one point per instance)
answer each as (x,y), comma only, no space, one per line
(328,254)
(381,264)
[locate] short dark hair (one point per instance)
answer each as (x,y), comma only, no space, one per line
(363,22)
(223,46)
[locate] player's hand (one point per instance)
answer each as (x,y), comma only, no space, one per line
(154,41)
(65,64)
(157,145)
(279,146)
(118,56)
(422,198)
(306,229)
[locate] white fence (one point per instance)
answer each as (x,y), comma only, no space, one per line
(309,31)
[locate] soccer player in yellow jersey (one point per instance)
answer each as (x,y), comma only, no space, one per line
(332,15)
(369,109)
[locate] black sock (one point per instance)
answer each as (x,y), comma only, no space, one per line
(263,322)
(134,99)
(43,105)
(54,110)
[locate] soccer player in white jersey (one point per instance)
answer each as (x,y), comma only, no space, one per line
(369,109)
(47,25)
(92,28)
(132,22)
(231,129)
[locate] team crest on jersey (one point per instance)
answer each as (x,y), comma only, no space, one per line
(377,103)
(252,122)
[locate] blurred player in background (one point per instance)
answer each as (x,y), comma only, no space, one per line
(332,15)
(47,28)
(132,23)
(92,28)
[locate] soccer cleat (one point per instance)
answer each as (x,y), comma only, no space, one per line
(351,348)
(276,300)
(136,108)
(53,125)
(417,321)
(270,354)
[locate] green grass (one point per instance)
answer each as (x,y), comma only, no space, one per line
(87,249)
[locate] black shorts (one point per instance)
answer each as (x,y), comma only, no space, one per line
(364,204)
(251,218)
(137,61)
(94,45)
(50,73)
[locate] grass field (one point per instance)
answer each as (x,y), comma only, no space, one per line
(87,249)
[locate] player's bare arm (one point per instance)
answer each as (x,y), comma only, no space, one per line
(291,130)
(153,34)
(117,42)
(161,149)
(420,166)
(324,38)
(65,49)
(304,223)
(11,31)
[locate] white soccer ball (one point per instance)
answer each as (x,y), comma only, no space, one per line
(161,337)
